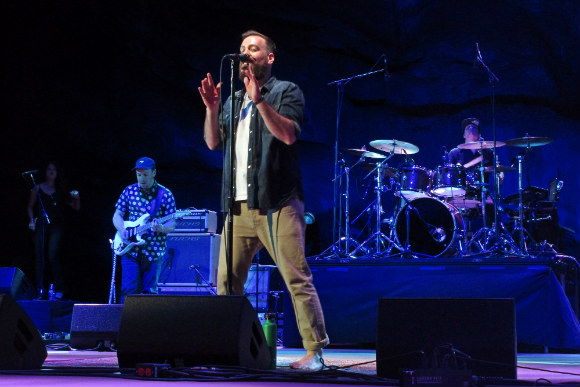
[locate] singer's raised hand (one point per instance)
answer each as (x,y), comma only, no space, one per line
(210,92)
(251,83)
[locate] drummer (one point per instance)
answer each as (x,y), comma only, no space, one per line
(470,158)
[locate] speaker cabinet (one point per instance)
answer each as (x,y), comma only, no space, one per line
(190,258)
(188,331)
(483,329)
(95,326)
(15,283)
(21,346)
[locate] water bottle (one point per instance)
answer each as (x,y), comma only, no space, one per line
(51,293)
(270,331)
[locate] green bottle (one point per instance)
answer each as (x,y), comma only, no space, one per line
(270,329)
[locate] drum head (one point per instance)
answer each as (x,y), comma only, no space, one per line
(433,226)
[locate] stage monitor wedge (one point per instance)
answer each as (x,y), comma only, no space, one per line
(187,331)
(21,345)
(481,328)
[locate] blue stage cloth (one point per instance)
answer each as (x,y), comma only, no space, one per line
(349,294)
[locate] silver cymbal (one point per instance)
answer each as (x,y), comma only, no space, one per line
(481,145)
(395,146)
(529,141)
(364,153)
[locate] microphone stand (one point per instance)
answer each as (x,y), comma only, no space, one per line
(230,199)
(493,79)
(337,227)
(43,221)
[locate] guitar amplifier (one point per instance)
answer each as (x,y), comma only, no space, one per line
(202,221)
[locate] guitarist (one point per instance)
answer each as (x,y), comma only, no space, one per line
(142,264)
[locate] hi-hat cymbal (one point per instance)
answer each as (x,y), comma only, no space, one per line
(364,153)
(528,141)
(500,168)
(395,146)
(480,145)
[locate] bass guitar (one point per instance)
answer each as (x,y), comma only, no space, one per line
(136,228)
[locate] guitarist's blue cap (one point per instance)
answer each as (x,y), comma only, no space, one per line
(145,163)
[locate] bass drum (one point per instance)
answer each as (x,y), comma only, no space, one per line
(435,228)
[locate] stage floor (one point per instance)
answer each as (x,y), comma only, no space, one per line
(63,368)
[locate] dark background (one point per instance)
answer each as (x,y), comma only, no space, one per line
(98,84)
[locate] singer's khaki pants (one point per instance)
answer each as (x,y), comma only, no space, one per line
(281,232)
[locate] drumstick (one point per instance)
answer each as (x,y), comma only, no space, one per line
(473,162)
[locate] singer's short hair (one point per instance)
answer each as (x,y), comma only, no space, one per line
(269,42)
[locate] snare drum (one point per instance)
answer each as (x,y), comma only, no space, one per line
(414,182)
(449,181)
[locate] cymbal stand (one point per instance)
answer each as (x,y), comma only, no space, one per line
(519,224)
(341,248)
(378,237)
(482,238)
(341,83)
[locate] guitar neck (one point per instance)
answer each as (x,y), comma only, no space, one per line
(149,225)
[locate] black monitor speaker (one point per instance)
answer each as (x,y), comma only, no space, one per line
(187,331)
(477,334)
(21,345)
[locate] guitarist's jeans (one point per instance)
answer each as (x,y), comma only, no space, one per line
(139,275)
(282,233)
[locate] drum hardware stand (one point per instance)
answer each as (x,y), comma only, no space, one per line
(519,223)
(342,247)
(336,226)
(485,233)
(506,241)
(379,237)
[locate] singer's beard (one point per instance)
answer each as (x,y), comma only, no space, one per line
(260,71)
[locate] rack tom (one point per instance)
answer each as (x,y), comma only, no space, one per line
(449,181)
(414,182)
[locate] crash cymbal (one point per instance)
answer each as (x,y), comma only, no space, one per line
(364,153)
(500,168)
(387,171)
(480,145)
(529,141)
(395,146)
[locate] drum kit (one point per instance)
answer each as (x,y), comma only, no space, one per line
(433,207)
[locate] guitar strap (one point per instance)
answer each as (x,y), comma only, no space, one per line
(156,202)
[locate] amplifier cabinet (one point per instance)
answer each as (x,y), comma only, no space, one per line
(190,258)
(203,221)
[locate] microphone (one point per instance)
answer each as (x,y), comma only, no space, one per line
(387,75)
(32,172)
(238,57)
(445,155)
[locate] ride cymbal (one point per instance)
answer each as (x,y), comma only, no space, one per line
(528,141)
(481,145)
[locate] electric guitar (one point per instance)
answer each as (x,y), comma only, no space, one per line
(136,228)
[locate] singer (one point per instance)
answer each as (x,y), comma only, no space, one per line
(268,194)
(47,214)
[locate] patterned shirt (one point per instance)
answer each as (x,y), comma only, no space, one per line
(134,203)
